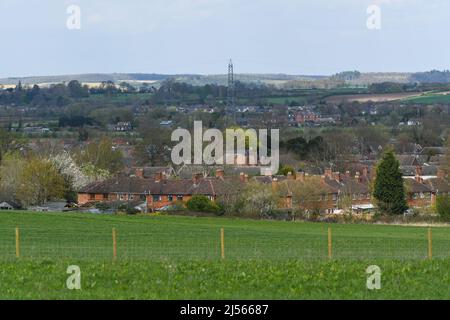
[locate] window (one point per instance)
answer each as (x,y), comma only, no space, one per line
(334,196)
(415,196)
(121,197)
(131,196)
(170,198)
(91,196)
(180,198)
(142,197)
(105,196)
(156,198)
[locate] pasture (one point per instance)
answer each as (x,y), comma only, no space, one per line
(181,258)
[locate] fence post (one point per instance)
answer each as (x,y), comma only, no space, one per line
(114,243)
(330,248)
(222,243)
(430,244)
(17,243)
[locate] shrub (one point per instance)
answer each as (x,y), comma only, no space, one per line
(443,207)
(202,204)
(131,210)
(102,206)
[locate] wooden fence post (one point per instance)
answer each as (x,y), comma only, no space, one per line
(114,243)
(222,243)
(430,244)
(330,248)
(17,243)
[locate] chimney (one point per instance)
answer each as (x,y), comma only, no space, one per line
(274,183)
(441,173)
(418,176)
(158,177)
(418,171)
(290,176)
(139,173)
(337,176)
(365,172)
(220,173)
(242,177)
(329,173)
(196,178)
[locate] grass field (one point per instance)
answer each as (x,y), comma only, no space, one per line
(180,258)
(430,98)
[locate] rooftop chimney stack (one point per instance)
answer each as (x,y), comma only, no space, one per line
(220,173)
(139,173)
(196,178)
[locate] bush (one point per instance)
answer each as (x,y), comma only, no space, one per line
(132,211)
(102,206)
(443,207)
(202,204)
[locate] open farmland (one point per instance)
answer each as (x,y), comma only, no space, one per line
(180,257)
(375,97)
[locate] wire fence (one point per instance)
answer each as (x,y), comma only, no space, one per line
(214,243)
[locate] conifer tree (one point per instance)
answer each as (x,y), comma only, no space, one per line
(389,190)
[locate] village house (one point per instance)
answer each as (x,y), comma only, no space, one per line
(156,188)
(157,192)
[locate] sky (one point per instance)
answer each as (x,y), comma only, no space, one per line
(313,37)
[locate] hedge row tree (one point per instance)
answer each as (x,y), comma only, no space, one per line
(443,207)
(389,190)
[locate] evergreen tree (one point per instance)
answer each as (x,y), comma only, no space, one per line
(389,190)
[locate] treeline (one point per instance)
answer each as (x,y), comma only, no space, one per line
(433,76)
(395,87)
(172,91)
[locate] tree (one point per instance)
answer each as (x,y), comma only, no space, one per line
(200,203)
(443,207)
(389,190)
(101,155)
(10,174)
(260,199)
(307,195)
(40,182)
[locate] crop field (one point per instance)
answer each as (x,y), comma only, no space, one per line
(431,98)
(181,258)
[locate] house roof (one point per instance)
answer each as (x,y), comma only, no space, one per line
(202,186)
(429,170)
(438,185)
(411,159)
(413,186)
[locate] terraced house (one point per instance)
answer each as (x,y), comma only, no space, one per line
(328,193)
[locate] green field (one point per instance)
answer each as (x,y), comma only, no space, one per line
(429,99)
(180,258)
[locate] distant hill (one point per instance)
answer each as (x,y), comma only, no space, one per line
(142,77)
(283,80)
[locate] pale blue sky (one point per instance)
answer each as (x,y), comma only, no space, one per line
(199,36)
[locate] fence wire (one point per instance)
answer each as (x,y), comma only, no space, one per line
(205,244)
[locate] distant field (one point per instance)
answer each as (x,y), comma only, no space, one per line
(372,97)
(180,258)
(431,98)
